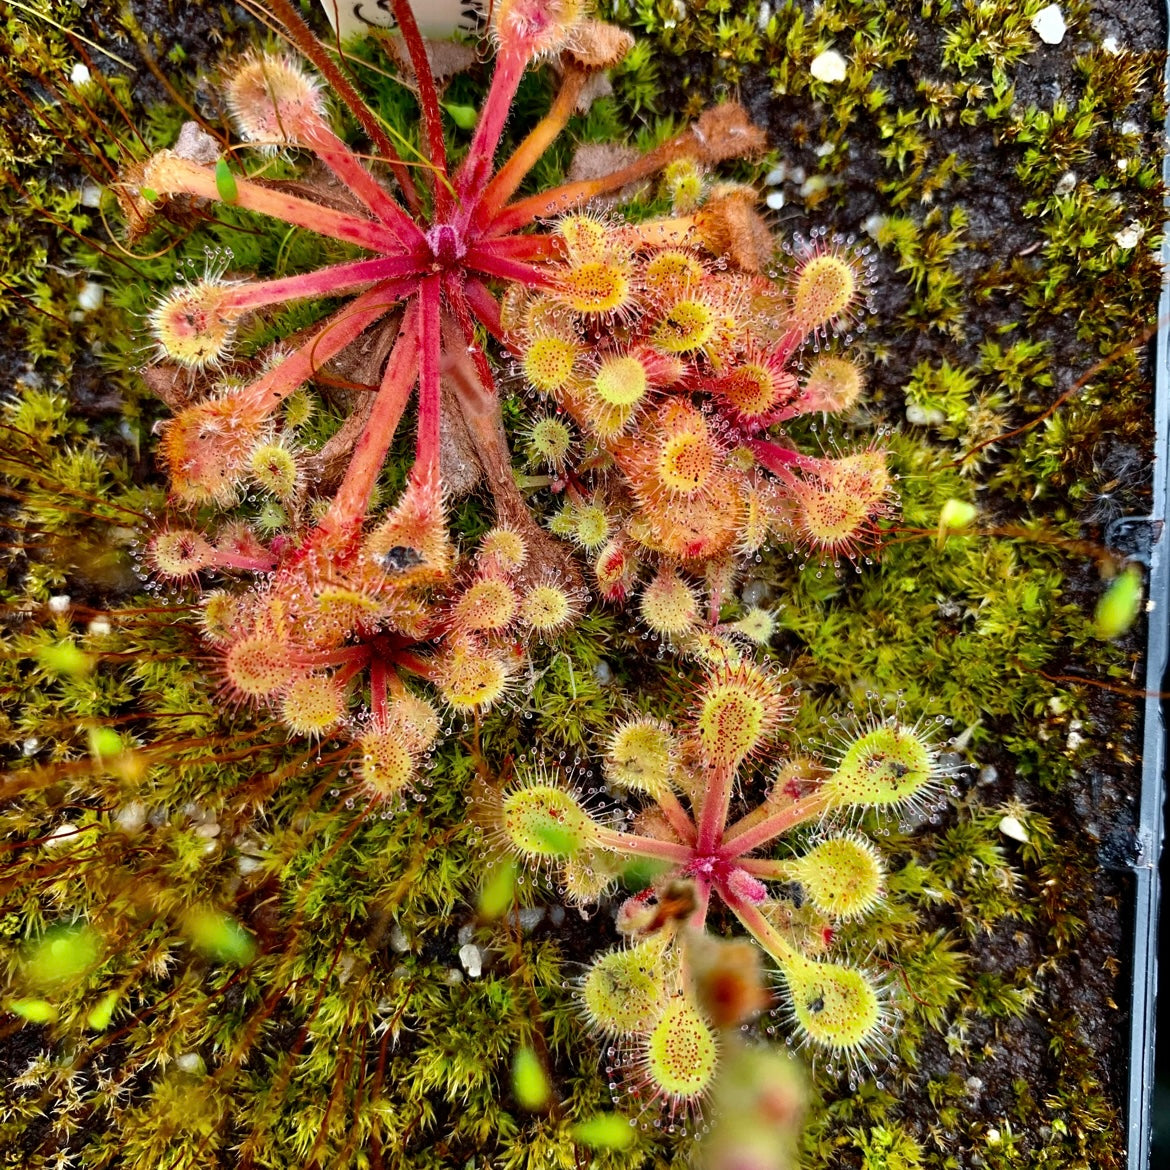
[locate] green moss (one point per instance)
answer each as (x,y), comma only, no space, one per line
(343,1038)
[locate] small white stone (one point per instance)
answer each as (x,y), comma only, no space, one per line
(61,835)
(774,200)
(828,66)
(765,15)
(91,195)
(248,865)
(59,603)
(1067,183)
(919,416)
(131,817)
(1048,24)
(191,1062)
(776,176)
(472,959)
(208,831)
(824,150)
(30,745)
(466,933)
(1129,237)
(529,918)
(993,1136)
(398,940)
(1130,128)
(1075,739)
(91,296)
(813,185)
(1110,46)
(874,224)
(100,627)
(80,74)
(1011,827)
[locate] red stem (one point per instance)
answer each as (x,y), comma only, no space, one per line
(358,654)
(754,922)
(677,816)
(415,664)
(171,175)
(348,168)
(738,841)
(430,395)
(429,100)
(702,903)
(521,247)
(303,37)
(764,867)
(378,673)
(636,846)
(458,302)
(509,177)
(485,307)
(322,282)
(510,66)
(506,269)
(269,390)
(713,814)
(779,459)
(352,501)
(225,560)
(347,672)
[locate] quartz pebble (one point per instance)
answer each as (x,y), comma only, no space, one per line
(91,296)
(1048,24)
(1129,236)
(1011,827)
(828,66)
(472,959)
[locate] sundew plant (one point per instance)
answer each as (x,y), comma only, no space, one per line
(457,441)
